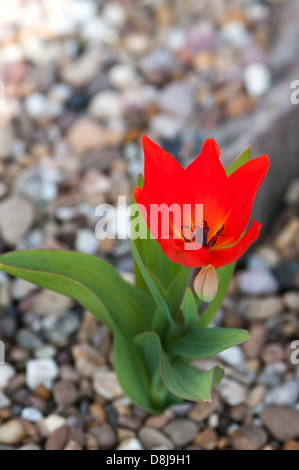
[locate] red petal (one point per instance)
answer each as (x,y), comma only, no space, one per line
(206,183)
(222,256)
(244,183)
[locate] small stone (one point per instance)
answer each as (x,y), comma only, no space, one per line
(207,439)
(98,412)
(16,218)
(4,401)
(292,194)
(159,421)
(233,356)
(87,359)
(12,433)
(7,372)
(166,126)
(65,393)
(106,385)
(47,351)
(239,105)
(256,396)
(249,438)
(6,143)
(257,79)
(21,288)
(51,423)
(291,445)
(72,445)
(150,438)
(121,76)
(48,302)
(232,392)
(130,444)
(201,411)
(58,327)
(37,106)
(252,348)
(114,14)
(262,309)
(104,435)
(28,340)
(285,394)
(80,72)
(177,99)
(273,353)
(288,237)
(291,301)
(106,105)
(57,439)
(85,136)
(31,414)
(258,282)
(86,241)
(29,447)
(281,422)
(181,431)
(40,372)
(272,374)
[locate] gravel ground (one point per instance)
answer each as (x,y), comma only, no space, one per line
(82,80)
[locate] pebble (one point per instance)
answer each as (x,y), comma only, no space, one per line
(151,437)
(16,217)
(105,105)
(285,394)
(181,431)
(4,400)
(7,372)
(122,76)
(258,282)
(37,106)
(48,303)
(104,435)
(51,423)
(86,241)
(249,438)
(130,444)
(12,433)
(233,393)
(257,79)
(114,14)
(253,348)
(57,439)
(65,393)
(262,309)
(233,356)
(6,143)
(291,300)
(58,327)
(41,372)
(177,99)
(291,196)
(281,422)
(207,439)
(106,385)
(201,411)
(32,414)
(85,136)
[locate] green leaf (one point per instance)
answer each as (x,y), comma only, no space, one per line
(160,301)
(198,343)
(152,255)
(89,280)
(181,379)
(189,308)
(177,288)
(132,373)
(224,275)
(243,158)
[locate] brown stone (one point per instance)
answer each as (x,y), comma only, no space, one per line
(281,422)
(249,438)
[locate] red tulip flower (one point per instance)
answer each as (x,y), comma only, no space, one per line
(226,204)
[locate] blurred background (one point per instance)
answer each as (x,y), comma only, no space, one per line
(81,80)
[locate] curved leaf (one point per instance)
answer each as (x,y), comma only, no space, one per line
(181,379)
(189,308)
(243,158)
(131,309)
(198,343)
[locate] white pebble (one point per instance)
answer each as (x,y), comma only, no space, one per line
(114,14)
(7,372)
(122,76)
(36,105)
(86,241)
(106,105)
(257,79)
(233,356)
(41,372)
(31,414)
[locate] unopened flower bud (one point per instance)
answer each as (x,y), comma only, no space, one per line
(206,283)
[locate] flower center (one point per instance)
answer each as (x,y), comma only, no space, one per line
(196,234)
